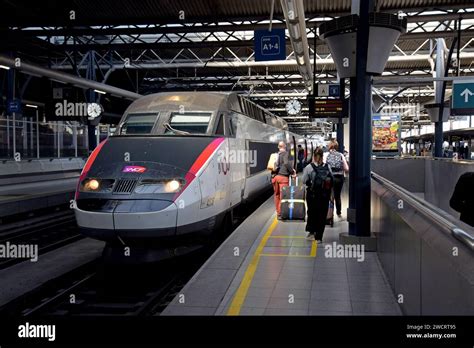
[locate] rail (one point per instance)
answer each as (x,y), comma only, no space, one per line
(433,213)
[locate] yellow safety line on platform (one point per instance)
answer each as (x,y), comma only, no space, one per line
(314,248)
(241,293)
(289,237)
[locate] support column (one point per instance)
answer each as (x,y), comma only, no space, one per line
(91,98)
(340,125)
(438,136)
(360,131)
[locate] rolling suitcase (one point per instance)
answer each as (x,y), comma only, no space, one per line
(330,215)
(292,205)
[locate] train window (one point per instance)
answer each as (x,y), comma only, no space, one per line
(139,123)
(189,122)
(220,125)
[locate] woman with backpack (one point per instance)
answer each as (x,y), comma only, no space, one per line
(318,178)
(337,162)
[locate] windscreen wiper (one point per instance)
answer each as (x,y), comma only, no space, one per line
(175,131)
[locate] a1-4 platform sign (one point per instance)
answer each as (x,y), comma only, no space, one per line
(270,45)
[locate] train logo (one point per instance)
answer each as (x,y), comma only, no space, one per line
(134,169)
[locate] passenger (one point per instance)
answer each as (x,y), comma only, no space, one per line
(338,164)
(282,174)
(318,178)
(301,158)
(463,200)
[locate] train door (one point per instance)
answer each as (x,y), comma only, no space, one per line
(238,170)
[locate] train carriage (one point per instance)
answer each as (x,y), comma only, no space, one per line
(175,169)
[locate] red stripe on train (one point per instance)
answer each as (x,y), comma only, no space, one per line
(199,162)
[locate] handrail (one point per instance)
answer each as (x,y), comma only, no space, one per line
(429,210)
(441,159)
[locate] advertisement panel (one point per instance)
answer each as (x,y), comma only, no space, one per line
(385,133)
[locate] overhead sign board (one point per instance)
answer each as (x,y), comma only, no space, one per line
(14,106)
(270,45)
(326,108)
(463,98)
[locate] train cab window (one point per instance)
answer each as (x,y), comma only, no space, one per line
(189,122)
(139,123)
(220,125)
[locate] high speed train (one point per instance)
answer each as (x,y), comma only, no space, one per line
(174,170)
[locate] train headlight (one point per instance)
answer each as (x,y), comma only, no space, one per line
(96,185)
(172,186)
(91,185)
(159,186)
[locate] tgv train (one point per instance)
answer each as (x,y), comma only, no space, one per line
(175,169)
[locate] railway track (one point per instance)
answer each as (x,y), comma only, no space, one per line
(98,289)
(94,290)
(47,232)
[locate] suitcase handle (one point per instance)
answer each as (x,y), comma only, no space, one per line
(296,180)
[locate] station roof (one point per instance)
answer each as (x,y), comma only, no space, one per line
(212,48)
(93,12)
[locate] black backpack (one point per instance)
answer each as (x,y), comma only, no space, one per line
(321,180)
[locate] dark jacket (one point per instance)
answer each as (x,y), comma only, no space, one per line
(283,164)
(463,198)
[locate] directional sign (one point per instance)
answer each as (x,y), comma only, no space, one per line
(323,90)
(14,106)
(334,90)
(328,90)
(463,98)
(270,45)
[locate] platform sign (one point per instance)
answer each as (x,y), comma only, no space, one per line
(270,45)
(385,133)
(14,106)
(334,91)
(463,98)
(328,90)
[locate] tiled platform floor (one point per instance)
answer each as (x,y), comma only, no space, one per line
(282,273)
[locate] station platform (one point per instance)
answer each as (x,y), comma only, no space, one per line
(267,267)
(37,184)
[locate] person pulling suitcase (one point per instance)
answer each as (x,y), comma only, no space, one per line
(319,181)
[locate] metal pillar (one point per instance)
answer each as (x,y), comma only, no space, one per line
(439,72)
(340,125)
(11,85)
(37,135)
(360,131)
(91,98)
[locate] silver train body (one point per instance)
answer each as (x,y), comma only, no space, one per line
(176,168)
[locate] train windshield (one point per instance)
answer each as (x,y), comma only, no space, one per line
(139,123)
(188,123)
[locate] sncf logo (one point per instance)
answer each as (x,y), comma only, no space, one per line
(134,169)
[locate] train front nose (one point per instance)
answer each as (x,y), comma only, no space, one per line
(132,201)
(137,219)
